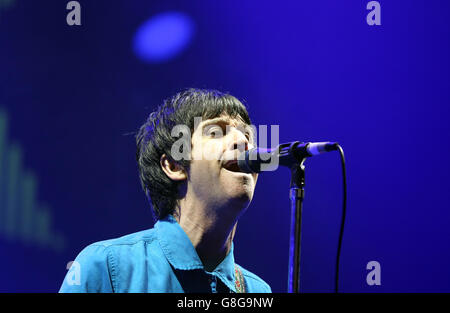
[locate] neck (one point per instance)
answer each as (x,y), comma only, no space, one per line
(210,232)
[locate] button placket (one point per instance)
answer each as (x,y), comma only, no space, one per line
(213,283)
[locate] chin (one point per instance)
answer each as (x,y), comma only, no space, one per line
(240,189)
(241,194)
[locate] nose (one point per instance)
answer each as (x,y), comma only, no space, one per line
(238,141)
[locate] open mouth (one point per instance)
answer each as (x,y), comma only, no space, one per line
(232,166)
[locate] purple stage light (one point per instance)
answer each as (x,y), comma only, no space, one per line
(163,37)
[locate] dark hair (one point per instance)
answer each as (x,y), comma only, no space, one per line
(154,139)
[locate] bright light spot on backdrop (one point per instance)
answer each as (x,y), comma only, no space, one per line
(163,37)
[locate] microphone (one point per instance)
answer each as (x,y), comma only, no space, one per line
(257,160)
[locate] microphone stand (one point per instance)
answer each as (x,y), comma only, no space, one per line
(291,155)
(296,196)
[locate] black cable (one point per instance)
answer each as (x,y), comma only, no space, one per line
(344,205)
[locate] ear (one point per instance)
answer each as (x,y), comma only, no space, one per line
(172,169)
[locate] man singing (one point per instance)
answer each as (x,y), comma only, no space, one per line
(197,200)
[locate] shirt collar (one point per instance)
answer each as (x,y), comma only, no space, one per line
(180,252)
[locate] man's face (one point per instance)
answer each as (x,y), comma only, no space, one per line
(214,176)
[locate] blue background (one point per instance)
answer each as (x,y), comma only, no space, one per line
(74,95)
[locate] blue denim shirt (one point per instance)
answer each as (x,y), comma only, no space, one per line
(161,259)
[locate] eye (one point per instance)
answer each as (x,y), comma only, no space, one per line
(214,131)
(249,135)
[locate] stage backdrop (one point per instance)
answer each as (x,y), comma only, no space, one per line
(72,97)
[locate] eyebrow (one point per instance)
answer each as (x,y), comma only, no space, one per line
(223,120)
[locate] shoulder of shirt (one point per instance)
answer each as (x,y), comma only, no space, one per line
(249,275)
(147,236)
